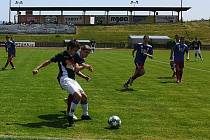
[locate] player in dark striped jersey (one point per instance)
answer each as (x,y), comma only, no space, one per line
(66,77)
(196,44)
(179,51)
(81,55)
(79,58)
(142,51)
(11,51)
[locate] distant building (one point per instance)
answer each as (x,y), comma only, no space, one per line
(134,39)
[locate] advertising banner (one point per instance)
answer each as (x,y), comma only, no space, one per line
(113,19)
(28,19)
(100,20)
(143,19)
(25,44)
(166,19)
(73,20)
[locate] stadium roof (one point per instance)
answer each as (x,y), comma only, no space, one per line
(178,9)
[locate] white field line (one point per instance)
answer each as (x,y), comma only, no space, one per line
(162,62)
(11,137)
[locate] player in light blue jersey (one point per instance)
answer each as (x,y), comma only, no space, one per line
(142,51)
(179,51)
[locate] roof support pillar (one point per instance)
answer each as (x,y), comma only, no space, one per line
(131,17)
(154,18)
(84,13)
(178,15)
(107,17)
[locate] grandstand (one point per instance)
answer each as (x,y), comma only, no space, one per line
(105,19)
(38,29)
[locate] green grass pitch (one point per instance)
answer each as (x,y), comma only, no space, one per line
(32,107)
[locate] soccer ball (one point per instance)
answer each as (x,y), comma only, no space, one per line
(114,122)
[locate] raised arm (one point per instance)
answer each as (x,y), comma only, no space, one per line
(187,53)
(80,74)
(87,66)
(5,45)
(149,55)
(44,64)
(133,52)
(172,53)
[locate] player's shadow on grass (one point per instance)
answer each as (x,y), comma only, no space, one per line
(50,120)
(110,128)
(4,70)
(126,90)
(190,61)
(165,77)
(166,80)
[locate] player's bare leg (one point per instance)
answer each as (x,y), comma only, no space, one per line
(138,73)
(68,102)
(200,56)
(177,74)
(76,99)
(84,105)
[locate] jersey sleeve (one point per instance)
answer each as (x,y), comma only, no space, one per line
(135,46)
(78,59)
(150,51)
(200,43)
(56,58)
(173,44)
(5,45)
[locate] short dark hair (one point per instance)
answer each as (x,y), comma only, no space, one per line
(73,44)
(146,36)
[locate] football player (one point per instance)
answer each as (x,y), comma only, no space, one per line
(172,64)
(66,77)
(142,51)
(196,44)
(179,51)
(79,58)
(11,52)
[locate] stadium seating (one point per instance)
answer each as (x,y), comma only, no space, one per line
(37,29)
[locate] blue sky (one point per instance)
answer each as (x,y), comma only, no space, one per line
(200,8)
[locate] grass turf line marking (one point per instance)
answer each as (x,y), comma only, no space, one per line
(11,137)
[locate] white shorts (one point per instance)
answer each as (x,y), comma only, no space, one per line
(70,85)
